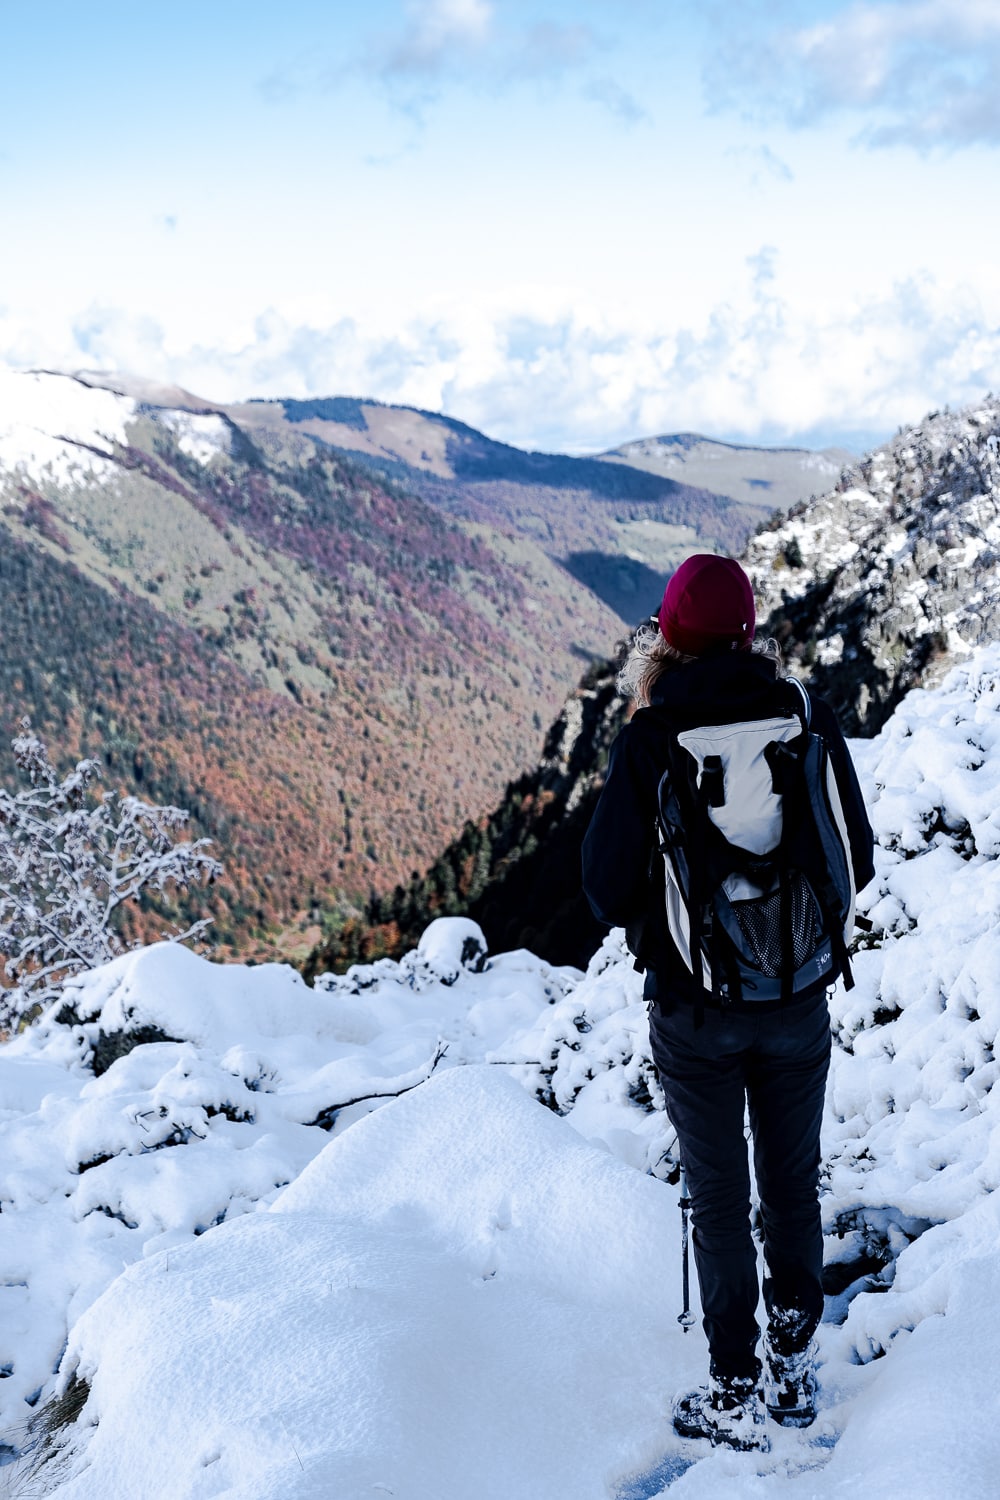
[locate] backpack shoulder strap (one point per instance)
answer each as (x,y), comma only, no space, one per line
(806,701)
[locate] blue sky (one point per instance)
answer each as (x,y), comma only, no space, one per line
(569,224)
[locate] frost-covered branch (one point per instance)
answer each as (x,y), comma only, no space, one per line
(327,1117)
(69,859)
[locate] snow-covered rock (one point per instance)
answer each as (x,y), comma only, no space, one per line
(901,561)
(431,1309)
(201,435)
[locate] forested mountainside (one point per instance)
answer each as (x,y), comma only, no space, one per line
(878,585)
(517,870)
(568,504)
(615,528)
(330,673)
(874,588)
(617,522)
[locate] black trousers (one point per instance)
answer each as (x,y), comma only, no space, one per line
(776,1063)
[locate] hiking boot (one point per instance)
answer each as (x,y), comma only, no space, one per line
(790,1385)
(729,1410)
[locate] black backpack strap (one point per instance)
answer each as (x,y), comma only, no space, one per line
(679,774)
(806,707)
(826,893)
(841,957)
(787,929)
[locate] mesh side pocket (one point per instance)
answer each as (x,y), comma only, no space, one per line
(760,923)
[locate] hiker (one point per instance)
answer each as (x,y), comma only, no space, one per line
(722,1038)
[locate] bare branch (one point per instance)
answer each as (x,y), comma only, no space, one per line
(69,859)
(327,1117)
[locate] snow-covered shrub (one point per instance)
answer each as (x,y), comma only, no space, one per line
(69,859)
(449,948)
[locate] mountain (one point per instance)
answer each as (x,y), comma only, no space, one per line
(618,527)
(331,673)
(618,523)
(777,477)
(331,629)
(894,573)
(876,587)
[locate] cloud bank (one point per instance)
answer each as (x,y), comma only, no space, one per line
(757,368)
(921,73)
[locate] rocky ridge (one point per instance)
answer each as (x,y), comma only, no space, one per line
(882,583)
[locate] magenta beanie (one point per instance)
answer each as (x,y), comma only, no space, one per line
(708,604)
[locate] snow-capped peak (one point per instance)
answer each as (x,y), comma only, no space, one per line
(53,426)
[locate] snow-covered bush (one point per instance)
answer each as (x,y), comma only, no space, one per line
(69,859)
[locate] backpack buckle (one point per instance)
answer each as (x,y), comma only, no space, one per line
(782,761)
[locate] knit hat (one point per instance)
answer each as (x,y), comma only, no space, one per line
(708,605)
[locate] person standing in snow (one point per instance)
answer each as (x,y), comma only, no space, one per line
(716,1057)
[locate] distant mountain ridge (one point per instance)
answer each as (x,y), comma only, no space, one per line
(617,522)
(615,528)
(779,477)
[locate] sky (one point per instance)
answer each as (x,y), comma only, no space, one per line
(570,223)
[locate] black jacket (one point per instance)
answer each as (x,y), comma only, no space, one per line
(621,874)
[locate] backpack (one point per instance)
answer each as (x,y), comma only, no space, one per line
(759,885)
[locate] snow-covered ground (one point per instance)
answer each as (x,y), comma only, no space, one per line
(414,1233)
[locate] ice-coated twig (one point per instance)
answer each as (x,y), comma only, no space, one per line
(70,858)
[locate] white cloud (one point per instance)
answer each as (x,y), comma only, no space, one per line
(549,47)
(920,72)
(619,101)
(440,43)
(758,366)
(435,32)
(441,37)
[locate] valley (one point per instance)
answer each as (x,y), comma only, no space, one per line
(333,630)
(876,587)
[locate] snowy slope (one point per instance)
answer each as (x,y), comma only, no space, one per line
(461,1293)
(62,430)
(55,428)
(895,572)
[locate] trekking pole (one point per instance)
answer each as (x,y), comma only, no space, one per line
(685,1317)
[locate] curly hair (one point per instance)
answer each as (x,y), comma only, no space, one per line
(651,655)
